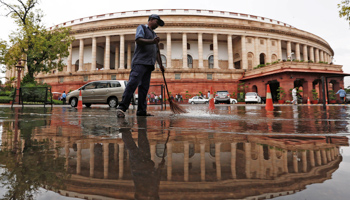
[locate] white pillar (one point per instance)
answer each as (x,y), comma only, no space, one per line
(268,50)
(312,54)
(216,51)
(168,50)
(256,51)
(92,159)
(169,160)
(121,160)
(107,53)
(218,160)
(81,55)
(116,56)
(304,161)
(317,55)
(318,157)
(184,50)
(305,53)
(105,160)
(229,52)
(289,50)
(321,56)
(122,50)
(202,147)
(93,58)
(233,159)
(69,64)
(247,150)
(200,51)
(297,51)
(186,160)
(79,157)
(244,53)
(324,157)
(279,50)
(295,161)
(312,158)
(129,55)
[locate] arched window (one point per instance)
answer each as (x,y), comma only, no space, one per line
(188,46)
(161,46)
(262,58)
(250,60)
(189,61)
(77,65)
(211,62)
(163,61)
(274,58)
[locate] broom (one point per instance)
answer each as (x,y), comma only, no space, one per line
(174,107)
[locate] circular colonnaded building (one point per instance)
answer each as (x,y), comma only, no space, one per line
(200,49)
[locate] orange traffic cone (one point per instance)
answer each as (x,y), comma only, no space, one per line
(269,104)
(308,101)
(148,102)
(80,101)
(211,100)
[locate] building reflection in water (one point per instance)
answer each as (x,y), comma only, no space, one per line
(200,165)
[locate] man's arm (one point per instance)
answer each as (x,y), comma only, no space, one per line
(143,41)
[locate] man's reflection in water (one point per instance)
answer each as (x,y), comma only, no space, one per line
(146,176)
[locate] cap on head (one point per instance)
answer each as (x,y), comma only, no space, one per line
(155,16)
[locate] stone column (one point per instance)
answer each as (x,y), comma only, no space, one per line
(318,157)
(116,56)
(312,54)
(304,161)
(233,159)
(229,52)
(122,52)
(186,160)
(329,158)
(317,55)
(81,55)
(105,160)
(79,157)
(128,56)
(217,160)
(256,51)
(200,51)
(295,161)
(69,64)
(244,53)
(273,161)
(169,160)
(121,160)
(297,51)
(262,170)
(247,150)
(153,151)
(305,53)
(202,147)
(268,50)
(324,157)
(312,158)
(321,56)
(92,159)
(107,53)
(289,50)
(184,51)
(216,51)
(168,50)
(93,54)
(332,153)
(279,46)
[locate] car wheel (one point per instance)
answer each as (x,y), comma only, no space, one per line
(74,102)
(88,105)
(192,102)
(233,102)
(112,102)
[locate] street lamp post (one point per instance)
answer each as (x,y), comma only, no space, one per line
(19,68)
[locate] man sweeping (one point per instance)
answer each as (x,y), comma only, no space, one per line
(143,62)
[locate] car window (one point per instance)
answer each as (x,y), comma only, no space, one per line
(103,85)
(90,86)
(251,94)
(196,97)
(222,92)
(200,97)
(115,84)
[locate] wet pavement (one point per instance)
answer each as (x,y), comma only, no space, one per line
(233,152)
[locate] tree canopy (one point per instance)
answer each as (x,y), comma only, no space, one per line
(344,11)
(42,49)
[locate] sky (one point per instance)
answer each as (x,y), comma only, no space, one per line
(319,17)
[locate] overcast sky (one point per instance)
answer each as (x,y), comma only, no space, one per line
(319,17)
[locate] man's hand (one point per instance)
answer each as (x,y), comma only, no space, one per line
(162,68)
(156,40)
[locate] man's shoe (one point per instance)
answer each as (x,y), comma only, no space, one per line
(120,113)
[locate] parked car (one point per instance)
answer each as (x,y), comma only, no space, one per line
(347,98)
(222,97)
(233,101)
(98,92)
(252,97)
(56,95)
(197,100)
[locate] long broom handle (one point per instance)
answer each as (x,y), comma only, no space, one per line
(161,64)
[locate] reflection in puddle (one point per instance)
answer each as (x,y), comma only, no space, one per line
(91,154)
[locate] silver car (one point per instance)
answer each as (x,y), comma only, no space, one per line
(222,97)
(198,99)
(252,97)
(98,92)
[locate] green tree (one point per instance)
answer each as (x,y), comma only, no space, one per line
(344,11)
(42,49)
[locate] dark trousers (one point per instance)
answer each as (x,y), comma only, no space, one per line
(140,77)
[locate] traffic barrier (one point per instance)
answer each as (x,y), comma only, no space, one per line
(269,104)
(211,100)
(80,101)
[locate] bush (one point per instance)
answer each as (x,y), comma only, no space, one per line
(5,93)
(5,99)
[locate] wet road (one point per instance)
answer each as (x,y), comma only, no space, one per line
(234,152)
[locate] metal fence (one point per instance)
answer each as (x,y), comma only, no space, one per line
(33,96)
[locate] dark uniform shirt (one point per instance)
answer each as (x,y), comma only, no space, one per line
(145,54)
